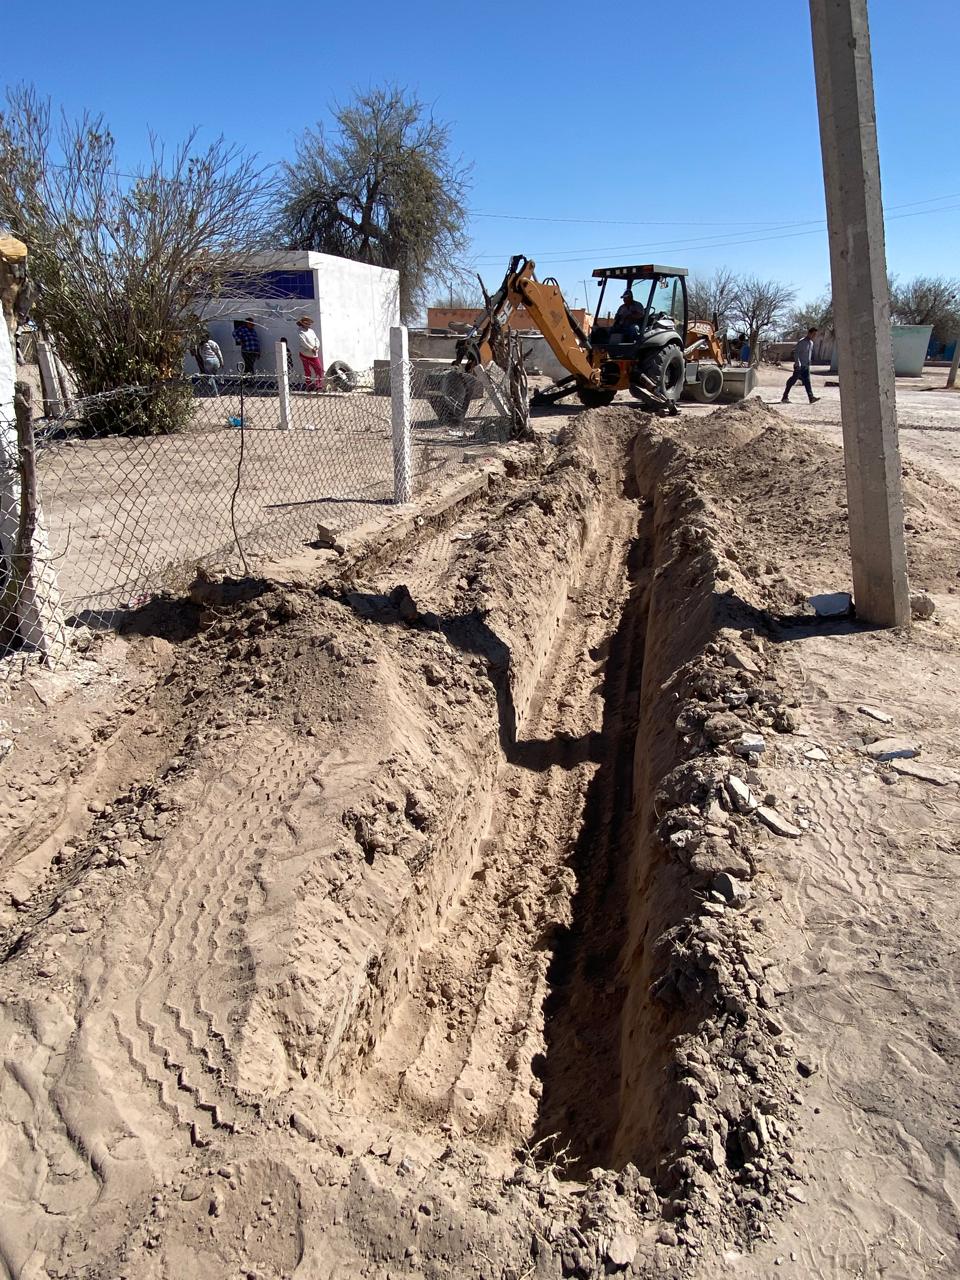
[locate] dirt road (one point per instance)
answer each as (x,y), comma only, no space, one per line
(928,415)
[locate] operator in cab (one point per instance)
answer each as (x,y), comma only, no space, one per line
(629,318)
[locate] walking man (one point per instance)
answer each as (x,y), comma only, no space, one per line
(248,340)
(802,355)
(310,354)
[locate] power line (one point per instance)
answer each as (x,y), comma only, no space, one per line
(767,223)
(625,222)
(561,257)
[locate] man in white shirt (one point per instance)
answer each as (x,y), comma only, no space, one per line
(802,355)
(310,354)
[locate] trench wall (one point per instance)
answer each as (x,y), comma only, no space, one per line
(682,617)
(541,542)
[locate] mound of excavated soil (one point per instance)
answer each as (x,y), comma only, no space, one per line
(783,494)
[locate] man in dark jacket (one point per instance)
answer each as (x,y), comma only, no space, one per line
(248,340)
(802,355)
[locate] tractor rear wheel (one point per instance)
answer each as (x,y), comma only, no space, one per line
(665,368)
(709,386)
(596,397)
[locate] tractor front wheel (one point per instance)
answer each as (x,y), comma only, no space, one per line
(709,386)
(665,368)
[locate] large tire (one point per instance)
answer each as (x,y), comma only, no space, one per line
(341,377)
(709,385)
(665,368)
(450,398)
(596,397)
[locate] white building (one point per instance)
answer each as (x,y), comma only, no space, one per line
(353,307)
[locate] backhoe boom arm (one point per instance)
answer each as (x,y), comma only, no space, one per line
(546,307)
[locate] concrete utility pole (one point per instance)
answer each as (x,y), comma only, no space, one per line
(954,363)
(851,174)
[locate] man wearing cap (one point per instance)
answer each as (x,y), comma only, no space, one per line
(629,318)
(248,340)
(310,354)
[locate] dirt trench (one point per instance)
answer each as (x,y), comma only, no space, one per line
(515,1006)
(395,874)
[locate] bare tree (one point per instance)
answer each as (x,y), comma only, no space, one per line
(120,261)
(382,189)
(459,296)
(928,300)
(712,297)
(758,307)
(817,314)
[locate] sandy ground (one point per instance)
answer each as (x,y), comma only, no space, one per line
(128,515)
(411,912)
(868,896)
(928,415)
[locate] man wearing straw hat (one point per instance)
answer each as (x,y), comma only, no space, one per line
(310,354)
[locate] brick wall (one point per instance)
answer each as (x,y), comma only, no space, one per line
(443,317)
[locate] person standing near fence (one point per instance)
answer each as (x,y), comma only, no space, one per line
(310,354)
(210,360)
(248,340)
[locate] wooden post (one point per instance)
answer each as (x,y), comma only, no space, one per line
(400,397)
(53,404)
(851,174)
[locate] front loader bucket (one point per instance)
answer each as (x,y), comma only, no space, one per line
(737,384)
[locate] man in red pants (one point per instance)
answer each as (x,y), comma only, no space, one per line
(310,354)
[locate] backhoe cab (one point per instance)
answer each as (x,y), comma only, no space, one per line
(643,349)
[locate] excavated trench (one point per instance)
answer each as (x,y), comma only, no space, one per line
(509,1023)
(398,866)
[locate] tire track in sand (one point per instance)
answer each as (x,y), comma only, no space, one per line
(180,1004)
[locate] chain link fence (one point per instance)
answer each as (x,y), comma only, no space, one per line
(260,467)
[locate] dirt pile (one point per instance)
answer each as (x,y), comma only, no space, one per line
(782,494)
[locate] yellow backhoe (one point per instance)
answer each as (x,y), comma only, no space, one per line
(650,350)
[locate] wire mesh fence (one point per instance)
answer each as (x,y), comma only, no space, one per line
(257,467)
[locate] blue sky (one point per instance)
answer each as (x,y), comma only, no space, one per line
(681,133)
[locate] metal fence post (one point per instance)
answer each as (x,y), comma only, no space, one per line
(283,385)
(400,399)
(952,375)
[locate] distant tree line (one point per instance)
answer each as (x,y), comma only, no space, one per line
(762,310)
(744,305)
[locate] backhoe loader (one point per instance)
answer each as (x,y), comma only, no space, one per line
(657,355)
